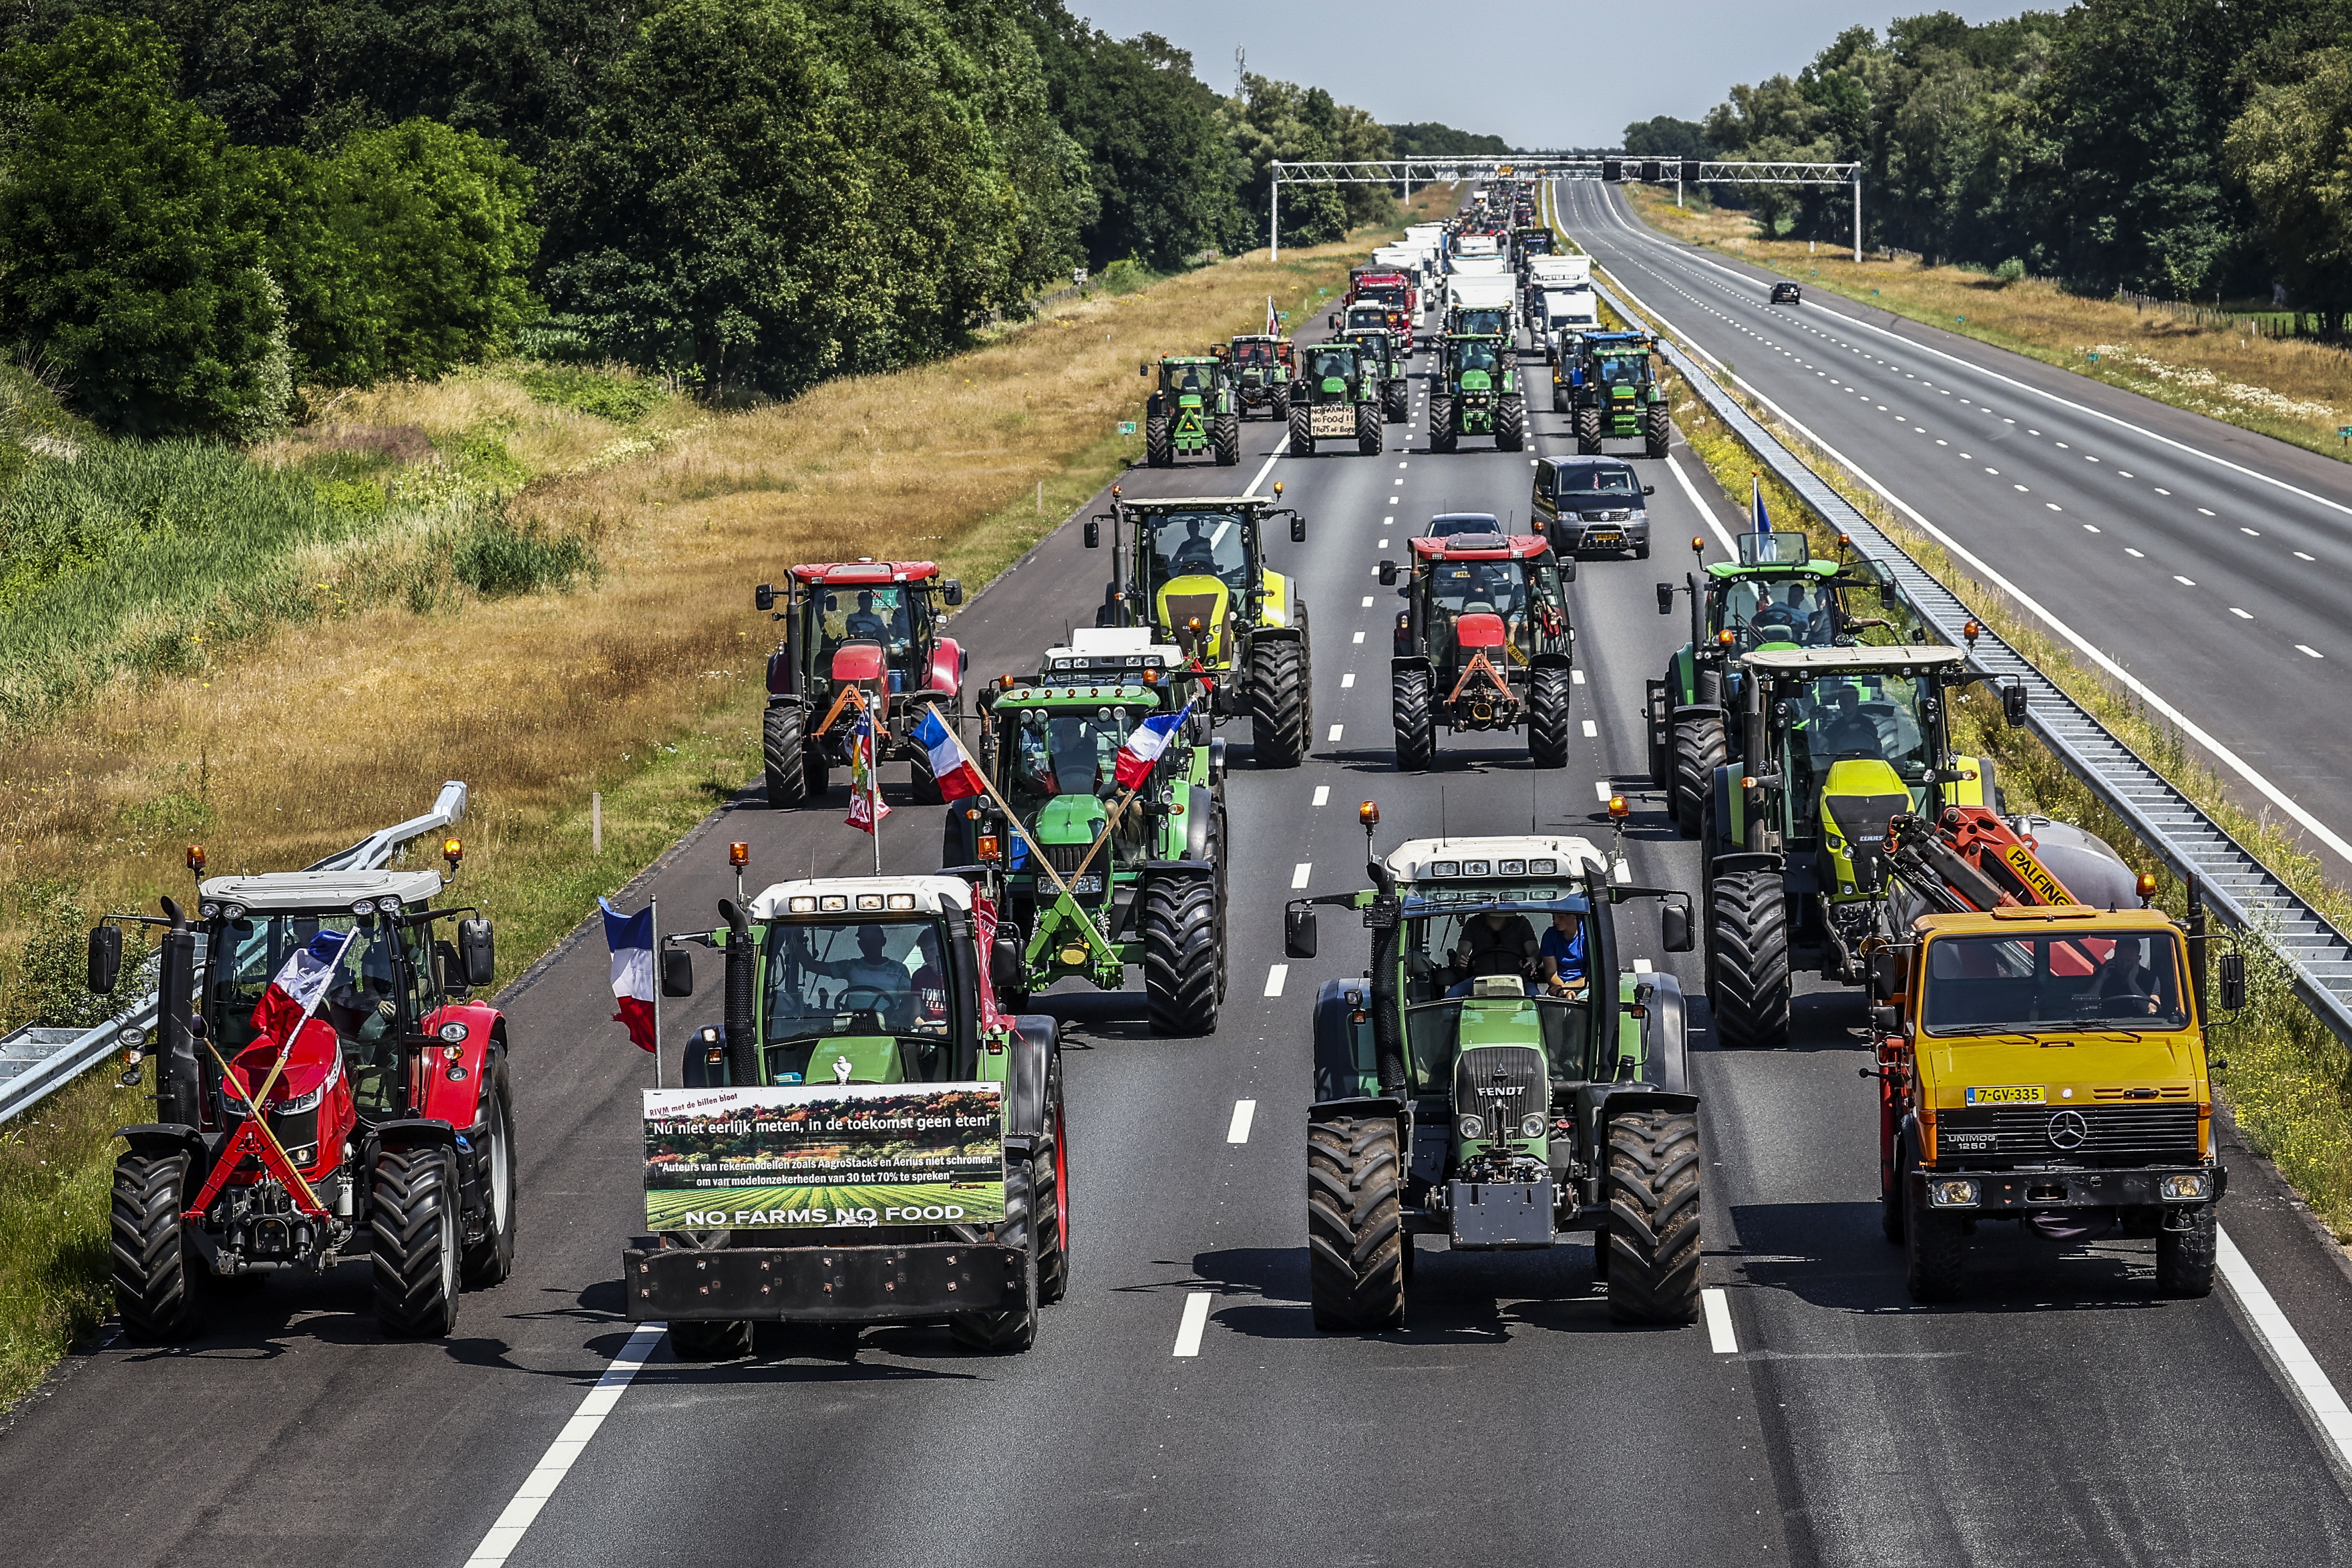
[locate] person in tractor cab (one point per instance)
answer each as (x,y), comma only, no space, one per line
(1560,959)
(1498,942)
(1804,615)
(1331,365)
(1844,729)
(1193,552)
(873,971)
(1479,356)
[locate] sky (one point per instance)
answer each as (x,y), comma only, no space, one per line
(1537,73)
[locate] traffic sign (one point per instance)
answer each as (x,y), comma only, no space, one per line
(1127,427)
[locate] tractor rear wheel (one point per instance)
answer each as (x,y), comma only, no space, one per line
(1180,954)
(1747,960)
(816,776)
(1302,425)
(1653,1217)
(412,1229)
(1278,716)
(1011,1330)
(1157,452)
(1700,748)
(1558,402)
(1588,431)
(1392,401)
(1548,698)
(1443,436)
(153,1256)
(1225,431)
(1656,431)
(1368,429)
(781,746)
(2184,1259)
(1355,1225)
(1511,424)
(1935,1248)
(710,1341)
(1415,725)
(489,1257)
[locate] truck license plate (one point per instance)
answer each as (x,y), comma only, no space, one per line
(2014,1094)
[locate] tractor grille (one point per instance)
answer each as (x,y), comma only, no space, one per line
(1065,858)
(1501,1083)
(2113,1133)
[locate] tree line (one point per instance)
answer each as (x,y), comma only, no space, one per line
(205,204)
(2182,148)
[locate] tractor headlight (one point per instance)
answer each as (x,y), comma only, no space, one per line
(1531,1126)
(1472,1127)
(2187,1187)
(453,1031)
(1957,1193)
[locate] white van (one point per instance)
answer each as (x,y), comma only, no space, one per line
(1567,311)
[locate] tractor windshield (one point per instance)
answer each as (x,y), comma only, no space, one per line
(1870,715)
(1362,317)
(1055,751)
(1445,954)
(1210,543)
(1525,597)
(1254,353)
(2083,980)
(1333,365)
(1475,356)
(884,615)
(1625,370)
(1483,321)
(1799,610)
(380,984)
(856,977)
(1185,380)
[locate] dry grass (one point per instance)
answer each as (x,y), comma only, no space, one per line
(2297,392)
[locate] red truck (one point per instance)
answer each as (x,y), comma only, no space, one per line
(1395,290)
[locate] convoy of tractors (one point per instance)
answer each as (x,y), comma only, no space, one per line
(874,1130)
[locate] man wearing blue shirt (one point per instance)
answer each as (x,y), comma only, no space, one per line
(1560,959)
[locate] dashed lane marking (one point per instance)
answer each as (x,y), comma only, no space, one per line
(1337,731)
(1719,1336)
(1600,789)
(1274,977)
(1298,874)
(1322,794)
(1591,730)
(1189,1327)
(1244,1112)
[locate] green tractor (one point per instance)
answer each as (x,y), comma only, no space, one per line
(1260,365)
(1129,880)
(1192,410)
(1607,380)
(1383,351)
(1475,1086)
(1478,392)
(1336,396)
(1835,742)
(1775,594)
(1194,571)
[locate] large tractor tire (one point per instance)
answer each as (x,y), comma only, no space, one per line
(1355,1239)
(1012,1330)
(1050,1180)
(1548,701)
(925,788)
(1934,1250)
(1656,431)
(784,748)
(1180,954)
(1368,429)
(414,1232)
(1587,432)
(2184,1259)
(1443,436)
(1393,406)
(1158,452)
(1412,715)
(490,1257)
(1511,424)
(1653,1217)
(152,1255)
(1700,748)
(816,773)
(1225,432)
(1559,399)
(1747,960)
(1302,439)
(1278,712)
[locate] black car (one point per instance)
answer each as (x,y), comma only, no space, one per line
(1787,294)
(1592,504)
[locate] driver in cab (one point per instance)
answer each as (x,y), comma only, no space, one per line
(877,981)
(1844,728)
(1498,942)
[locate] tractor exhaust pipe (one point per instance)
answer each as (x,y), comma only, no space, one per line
(179,1083)
(1388,1045)
(742,961)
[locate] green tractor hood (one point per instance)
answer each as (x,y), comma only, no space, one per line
(1070,819)
(1476,380)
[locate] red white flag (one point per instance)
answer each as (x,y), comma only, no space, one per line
(1273,319)
(631,938)
(866,808)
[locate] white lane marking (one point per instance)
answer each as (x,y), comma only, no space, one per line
(1368,602)
(1576,677)
(2294,1360)
(2134,553)
(2299,555)
(1244,1112)
(2307,649)
(2017,486)
(2248,532)
(1640,966)
(2184,582)
(2206,512)
(1384,545)
(2241,614)
(1358,637)
(507,1533)
(1400,465)
(2090,528)
(2053,506)
(1322,794)
(1337,729)
(1719,1337)
(1591,729)
(1700,505)
(1195,1319)
(1347,681)
(1298,874)
(2162,491)
(1600,789)
(1274,977)
(1387,521)
(1267,466)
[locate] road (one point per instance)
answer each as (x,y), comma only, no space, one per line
(2211,565)
(2057,1415)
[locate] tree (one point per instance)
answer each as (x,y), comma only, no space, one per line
(2293,149)
(1282,121)
(128,249)
(1667,137)
(1429,139)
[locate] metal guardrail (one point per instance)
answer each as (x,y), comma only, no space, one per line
(36,1062)
(2242,890)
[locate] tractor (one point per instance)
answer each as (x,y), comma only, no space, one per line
(1193,410)
(326,1088)
(1606,381)
(1194,573)
(1835,742)
(1484,643)
(866,1137)
(1774,595)
(1261,366)
(1478,392)
(1338,395)
(1096,880)
(864,632)
(1385,358)
(1475,1085)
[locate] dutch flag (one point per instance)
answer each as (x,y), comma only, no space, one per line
(950,763)
(631,938)
(1141,752)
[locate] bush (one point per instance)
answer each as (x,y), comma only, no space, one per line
(1124,276)
(47,987)
(2009,271)
(499,561)
(608,394)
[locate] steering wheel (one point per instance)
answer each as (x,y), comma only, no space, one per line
(1773,615)
(882,999)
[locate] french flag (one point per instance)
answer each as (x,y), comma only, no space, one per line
(1144,744)
(951,765)
(298,986)
(631,938)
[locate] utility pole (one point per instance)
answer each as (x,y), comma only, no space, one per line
(1857,216)
(1241,72)
(1273,217)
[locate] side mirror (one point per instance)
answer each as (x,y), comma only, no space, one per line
(2013,703)
(478,951)
(678,973)
(1297,530)
(1568,568)
(105,959)
(1666,598)
(1388,574)
(2233,982)
(1649,490)
(954,593)
(1005,967)
(1094,535)
(1298,931)
(764,596)
(1143,370)
(1887,1020)
(1674,929)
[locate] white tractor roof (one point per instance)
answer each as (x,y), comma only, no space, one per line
(1411,860)
(1128,647)
(1831,660)
(320,890)
(864,895)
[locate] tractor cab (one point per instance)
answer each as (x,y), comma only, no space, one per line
(1483,321)
(1333,373)
(1192,410)
(1482,643)
(1262,366)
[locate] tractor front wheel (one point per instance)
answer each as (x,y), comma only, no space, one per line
(1700,748)
(704,1341)
(783,745)
(1355,1225)
(1392,401)
(1227,432)
(1277,695)
(153,1254)
(1157,452)
(1051,1197)
(413,1231)
(1653,1217)
(1547,699)
(1511,424)
(1368,429)
(1415,725)
(1443,435)
(1587,432)
(490,1257)
(1302,425)
(1747,960)
(1180,954)
(1009,1331)
(1656,431)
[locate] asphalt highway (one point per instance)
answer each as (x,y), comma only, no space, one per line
(2057,1415)
(2210,564)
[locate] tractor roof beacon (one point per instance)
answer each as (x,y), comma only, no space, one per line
(1457,1095)
(1194,571)
(1605,380)
(1193,410)
(850,997)
(858,632)
(386,1124)
(1482,643)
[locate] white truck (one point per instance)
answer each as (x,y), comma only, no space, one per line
(1469,294)
(1566,310)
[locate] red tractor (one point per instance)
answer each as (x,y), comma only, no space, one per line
(322,1000)
(868,626)
(1484,643)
